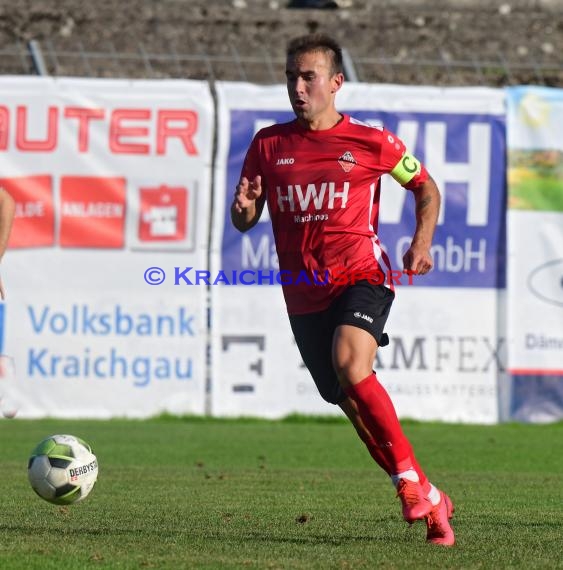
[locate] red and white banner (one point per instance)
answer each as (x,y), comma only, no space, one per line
(110,178)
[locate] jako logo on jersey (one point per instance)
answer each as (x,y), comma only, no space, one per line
(367,318)
(282,161)
(347,161)
(304,196)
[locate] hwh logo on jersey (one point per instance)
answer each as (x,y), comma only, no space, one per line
(295,191)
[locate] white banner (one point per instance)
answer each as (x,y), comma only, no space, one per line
(535,254)
(535,230)
(110,178)
(445,352)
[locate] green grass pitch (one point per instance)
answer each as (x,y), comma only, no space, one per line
(194,493)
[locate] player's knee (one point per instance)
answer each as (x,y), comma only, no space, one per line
(350,371)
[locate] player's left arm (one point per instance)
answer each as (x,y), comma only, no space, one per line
(410,173)
(427,207)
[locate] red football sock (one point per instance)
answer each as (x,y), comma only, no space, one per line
(422,477)
(379,457)
(379,416)
(376,453)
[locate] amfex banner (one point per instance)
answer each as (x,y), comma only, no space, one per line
(445,345)
(110,178)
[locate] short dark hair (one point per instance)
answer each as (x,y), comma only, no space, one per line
(317,42)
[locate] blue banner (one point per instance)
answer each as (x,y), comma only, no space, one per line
(464,152)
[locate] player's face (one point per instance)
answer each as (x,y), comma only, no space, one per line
(311,85)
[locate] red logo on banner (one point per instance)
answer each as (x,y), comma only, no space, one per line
(34,220)
(92,211)
(163,214)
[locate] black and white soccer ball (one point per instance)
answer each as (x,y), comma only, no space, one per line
(62,469)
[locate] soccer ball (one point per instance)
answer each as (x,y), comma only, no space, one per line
(62,469)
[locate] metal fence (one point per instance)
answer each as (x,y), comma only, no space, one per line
(45,58)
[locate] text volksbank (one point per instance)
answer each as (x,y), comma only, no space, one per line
(82,319)
(101,361)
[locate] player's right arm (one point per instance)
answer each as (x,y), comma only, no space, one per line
(250,193)
(248,203)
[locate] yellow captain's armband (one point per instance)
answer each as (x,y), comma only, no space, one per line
(406,169)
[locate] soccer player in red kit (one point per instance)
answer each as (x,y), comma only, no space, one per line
(319,175)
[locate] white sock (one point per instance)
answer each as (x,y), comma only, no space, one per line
(434,495)
(409,474)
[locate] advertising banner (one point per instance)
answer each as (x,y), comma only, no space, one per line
(535,238)
(111,178)
(444,340)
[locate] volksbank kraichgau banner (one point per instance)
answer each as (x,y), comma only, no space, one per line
(110,178)
(445,352)
(535,238)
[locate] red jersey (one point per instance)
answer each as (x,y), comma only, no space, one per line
(322,189)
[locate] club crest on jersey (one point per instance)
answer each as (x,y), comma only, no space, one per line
(347,161)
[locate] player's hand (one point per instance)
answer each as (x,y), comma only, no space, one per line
(2,292)
(418,260)
(247,192)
